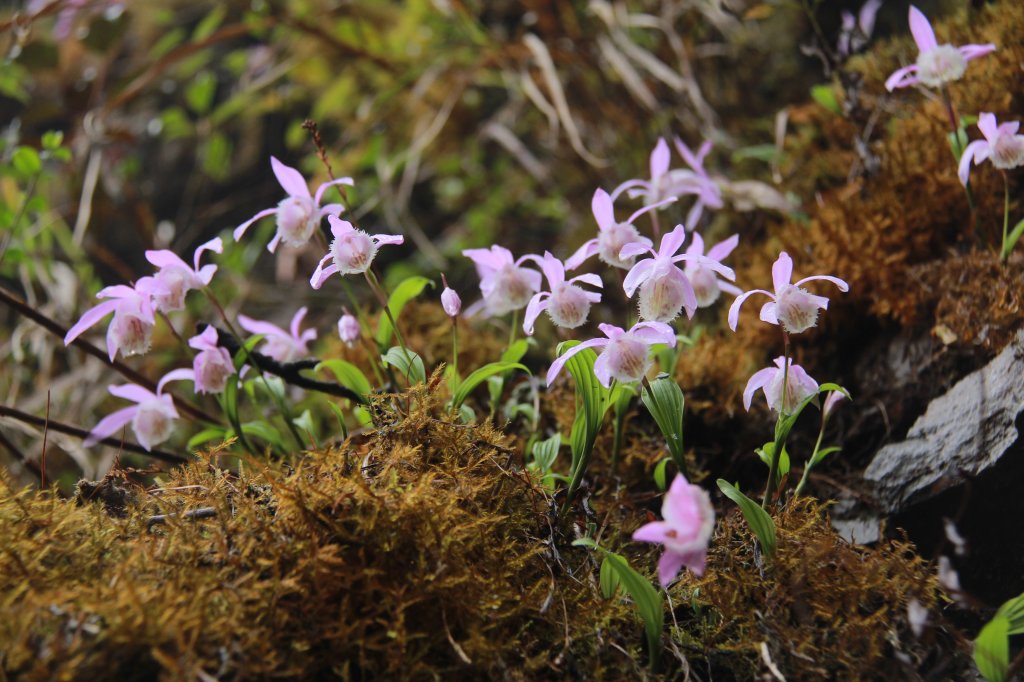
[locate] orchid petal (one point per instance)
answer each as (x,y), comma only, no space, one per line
(635,249)
(654,332)
(669,566)
(582,254)
(696,247)
(924,36)
(782,271)
(630,184)
(110,425)
(637,275)
(560,361)
(590,278)
(659,159)
(901,78)
(296,321)
(260,327)
(534,308)
(88,319)
(655,531)
(132,392)
(841,284)
(672,241)
(392,239)
(611,331)
(323,188)
(182,374)
(321,273)
(603,369)
(722,249)
(216,245)
(272,246)
(165,259)
(760,379)
(976,152)
(291,180)
(769,313)
(988,126)
(604,210)
(734,309)
(974,51)
(240,230)
(332,209)
(644,209)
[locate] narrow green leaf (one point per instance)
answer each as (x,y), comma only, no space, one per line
(340,417)
(545,451)
(992,649)
(407,362)
(1013,611)
(609,579)
(660,477)
(664,399)
(479,376)
(822,454)
(407,290)
(516,351)
(243,353)
(306,426)
(825,95)
(1012,239)
(758,519)
(348,375)
(205,436)
(647,599)
(264,431)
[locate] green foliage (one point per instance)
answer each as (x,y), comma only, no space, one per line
(664,399)
(479,376)
(825,95)
(591,404)
(408,362)
(348,375)
(402,294)
(757,518)
(992,649)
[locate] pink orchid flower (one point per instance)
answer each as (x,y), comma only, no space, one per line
(152,417)
(178,277)
(831,403)
(664,183)
(706,285)
(352,251)
(626,354)
(1002,145)
(450,300)
(298,214)
(698,181)
(664,288)
(348,329)
(799,386)
(689,520)
(612,235)
(212,366)
(792,307)
(504,283)
(568,305)
(281,345)
(856,31)
(131,329)
(936,64)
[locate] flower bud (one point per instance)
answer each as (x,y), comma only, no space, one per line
(348,329)
(450,300)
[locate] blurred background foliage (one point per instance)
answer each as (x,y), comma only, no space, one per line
(463,123)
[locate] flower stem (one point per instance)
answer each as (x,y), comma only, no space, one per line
(958,149)
(1003,251)
(773,469)
(455,353)
(373,351)
(807,467)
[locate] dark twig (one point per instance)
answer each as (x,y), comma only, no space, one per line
(123,369)
(82,433)
(191,515)
(288,371)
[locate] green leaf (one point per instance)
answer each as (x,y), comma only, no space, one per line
(348,375)
(1012,239)
(209,23)
(479,376)
(609,579)
(591,403)
(545,452)
(305,423)
(766,452)
(957,142)
(992,649)
(822,454)
(516,351)
(1013,611)
(216,156)
(340,417)
(205,436)
(407,362)
(825,95)
(264,431)
(243,353)
(660,477)
(200,91)
(52,139)
(406,291)
(758,519)
(664,399)
(26,161)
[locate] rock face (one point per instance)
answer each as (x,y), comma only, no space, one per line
(961,434)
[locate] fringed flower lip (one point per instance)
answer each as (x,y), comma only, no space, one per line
(352,251)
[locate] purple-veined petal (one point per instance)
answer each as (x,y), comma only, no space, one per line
(722,249)
(660,158)
(760,379)
(734,309)
(110,425)
(582,254)
(240,230)
(604,210)
(769,313)
(89,318)
(902,78)
(182,374)
(841,284)
(323,188)
(782,271)
(637,275)
(534,308)
(974,51)
(669,566)
(924,36)
(291,180)
(560,361)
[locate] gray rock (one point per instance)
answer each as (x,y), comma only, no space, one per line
(961,434)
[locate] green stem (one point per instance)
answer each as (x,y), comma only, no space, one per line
(773,470)
(807,468)
(364,327)
(959,150)
(455,353)
(1003,251)
(512,330)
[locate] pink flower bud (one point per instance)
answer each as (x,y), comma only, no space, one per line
(833,399)
(689,520)
(450,300)
(348,329)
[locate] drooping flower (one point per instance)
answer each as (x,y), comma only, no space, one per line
(1002,145)
(689,520)
(697,181)
(211,367)
(152,417)
(281,345)
(352,251)
(833,399)
(799,386)
(792,307)
(131,328)
(504,283)
(626,354)
(664,288)
(936,64)
(706,285)
(348,329)
(450,300)
(298,214)
(612,235)
(179,279)
(567,303)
